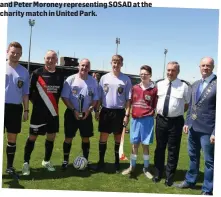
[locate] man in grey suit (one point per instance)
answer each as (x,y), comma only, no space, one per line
(200,126)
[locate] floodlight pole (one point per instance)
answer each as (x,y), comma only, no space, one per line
(31,24)
(165,54)
(117,42)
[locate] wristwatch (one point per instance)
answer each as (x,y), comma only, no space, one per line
(127,115)
(26,110)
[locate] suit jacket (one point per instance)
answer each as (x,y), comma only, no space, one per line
(201,115)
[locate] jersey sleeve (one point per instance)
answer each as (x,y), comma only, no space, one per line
(62,81)
(132,93)
(32,89)
(96,91)
(100,89)
(155,99)
(25,90)
(128,89)
(66,90)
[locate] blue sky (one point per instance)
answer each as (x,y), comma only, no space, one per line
(188,34)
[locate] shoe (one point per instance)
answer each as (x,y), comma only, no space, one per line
(117,167)
(156,179)
(207,193)
(11,171)
(99,166)
(168,183)
(127,171)
(48,165)
(133,175)
(26,169)
(147,173)
(64,165)
(184,185)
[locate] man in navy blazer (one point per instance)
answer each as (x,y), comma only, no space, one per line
(200,126)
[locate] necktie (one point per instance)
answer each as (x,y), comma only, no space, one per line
(200,90)
(166,102)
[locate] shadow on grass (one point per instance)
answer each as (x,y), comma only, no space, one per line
(179,176)
(110,168)
(13,183)
(43,174)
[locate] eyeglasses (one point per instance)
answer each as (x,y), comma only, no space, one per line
(144,74)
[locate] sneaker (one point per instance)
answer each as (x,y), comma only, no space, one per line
(184,185)
(48,165)
(11,171)
(147,173)
(64,165)
(127,171)
(26,169)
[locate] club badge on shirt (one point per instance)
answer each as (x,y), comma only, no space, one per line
(120,89)
(106,88)
(74,90)
(20,82)
(147,97)
(90,92)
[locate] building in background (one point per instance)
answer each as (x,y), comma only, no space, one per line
(69,66)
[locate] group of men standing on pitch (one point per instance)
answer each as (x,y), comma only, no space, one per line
(113,100)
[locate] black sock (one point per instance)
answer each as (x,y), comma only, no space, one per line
(66,151)
(116,151)
(10,151)
(85,147)
(102,150)
(49,145)
(29,147)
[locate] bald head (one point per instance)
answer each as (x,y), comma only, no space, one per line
(85,60)
(206,66)
(49,52)
(51,59)
(84,66)
(208,60)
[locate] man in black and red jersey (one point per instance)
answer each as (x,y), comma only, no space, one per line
(45,90)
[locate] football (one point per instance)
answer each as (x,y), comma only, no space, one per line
(80,163)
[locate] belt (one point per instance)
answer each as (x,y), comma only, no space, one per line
(169,118)
(113,109)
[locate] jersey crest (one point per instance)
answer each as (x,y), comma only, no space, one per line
(20,82)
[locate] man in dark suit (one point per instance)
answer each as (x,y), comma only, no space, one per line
(200,126)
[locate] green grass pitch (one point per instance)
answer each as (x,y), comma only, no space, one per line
(106,181)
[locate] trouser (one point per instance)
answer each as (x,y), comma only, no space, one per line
(196,141)
(168,133)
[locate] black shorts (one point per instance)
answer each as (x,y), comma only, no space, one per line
(42,123)
(111,120)
(13,118)
(71,125)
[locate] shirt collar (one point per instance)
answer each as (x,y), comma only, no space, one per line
(151,85)
(208,79)
(173,82)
